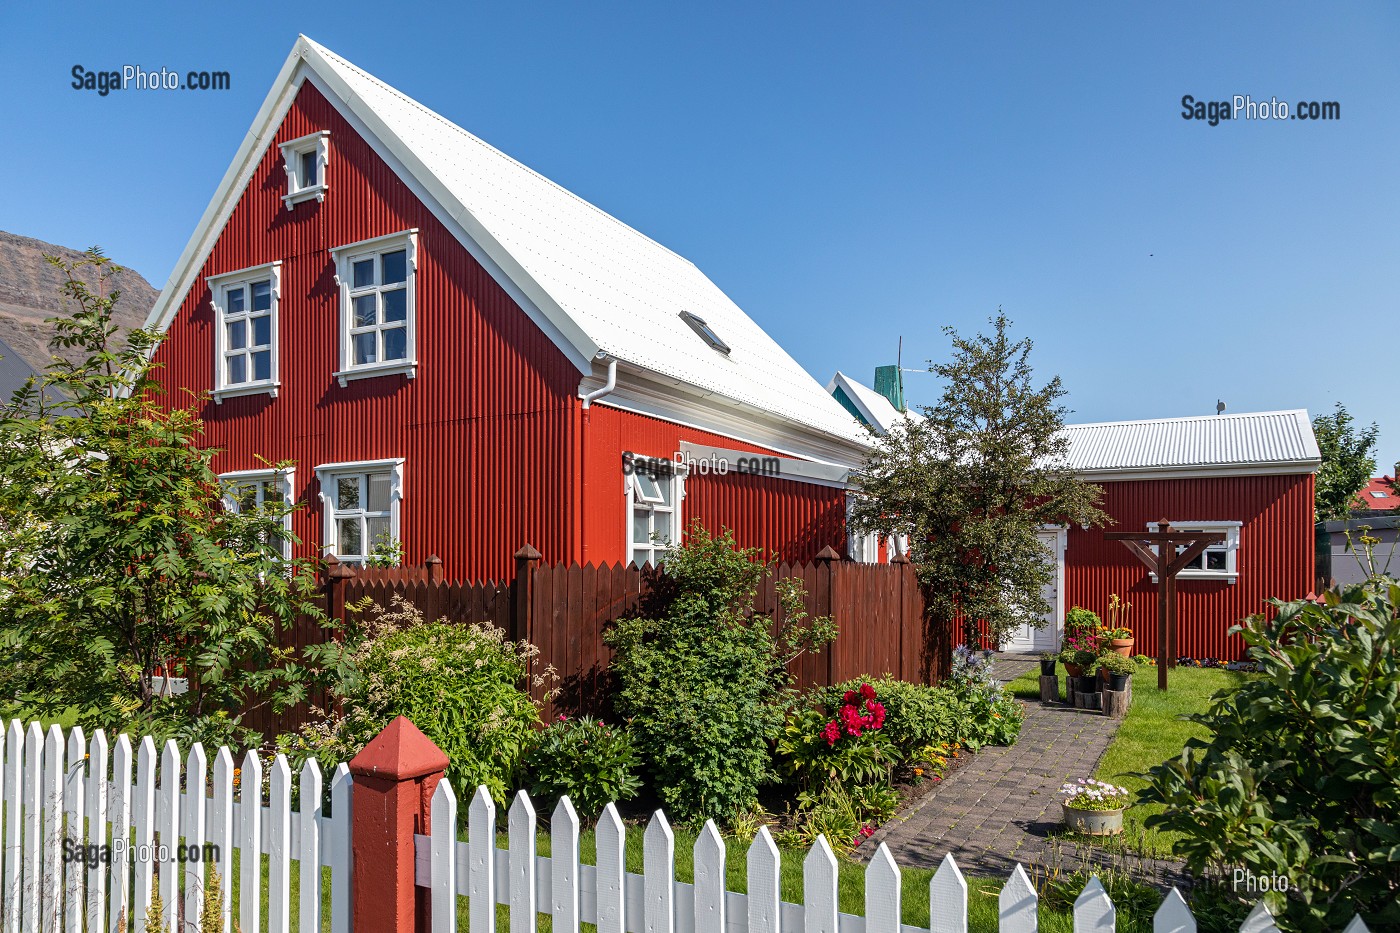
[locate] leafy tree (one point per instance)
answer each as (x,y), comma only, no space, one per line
(973,483)
(1296,778)
(119,557)
(704,681)
(1348,463)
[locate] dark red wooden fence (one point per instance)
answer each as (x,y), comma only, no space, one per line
(565,610)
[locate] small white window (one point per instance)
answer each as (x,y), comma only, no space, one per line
(377,306)
(1218,561)
(1377,494)
(305,161)
(361,505)
(862,548)
(654,488)
(245,332)
(246,490)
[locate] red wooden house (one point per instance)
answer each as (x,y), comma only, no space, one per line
(459,356)
(1249,476)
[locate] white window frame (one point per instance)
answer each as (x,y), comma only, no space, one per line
(861,548)
(328,473)
(285,481)
(345,257)
(1231,529)
(292,152)
(637,499)
(219,286)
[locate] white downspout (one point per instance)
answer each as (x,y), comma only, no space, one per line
(606,388)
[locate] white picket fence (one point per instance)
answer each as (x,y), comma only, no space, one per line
(60,794)
(618,901)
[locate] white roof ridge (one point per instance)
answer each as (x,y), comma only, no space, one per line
(389,88)
(1180,418)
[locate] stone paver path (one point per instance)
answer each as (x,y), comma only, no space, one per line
(1000,807)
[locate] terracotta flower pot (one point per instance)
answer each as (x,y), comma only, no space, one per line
(1123,646)
(1094,822)
(1073,670)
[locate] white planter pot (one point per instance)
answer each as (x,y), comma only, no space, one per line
(1094,822)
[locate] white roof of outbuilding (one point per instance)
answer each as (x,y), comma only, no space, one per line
(879,412)
(596,285)
(1251,442)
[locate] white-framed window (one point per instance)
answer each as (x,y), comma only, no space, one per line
(245,332)
(377,306)
(655,489)
(862,548)
(361,505)
(1218,561)
(305,161)
(245,490)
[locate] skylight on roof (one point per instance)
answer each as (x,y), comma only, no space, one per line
(1377,494)
(705,331)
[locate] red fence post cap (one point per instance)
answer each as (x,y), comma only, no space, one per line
(400,753)
(527,552)
(828,553)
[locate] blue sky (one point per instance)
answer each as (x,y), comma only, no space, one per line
(848,173)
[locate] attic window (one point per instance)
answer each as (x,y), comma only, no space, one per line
(706,332)
(304,160)
(1376,494)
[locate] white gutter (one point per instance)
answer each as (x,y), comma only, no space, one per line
(605,389)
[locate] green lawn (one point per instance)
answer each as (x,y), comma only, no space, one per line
(1153,732)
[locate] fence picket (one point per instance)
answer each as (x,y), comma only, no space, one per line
(143,821)
(97,827)
(51,895)
(119,797)
(14,769)
(564,866)
(33,793)
(611,877)
(168,826)
(1260,920)
(947,898)
(1093,910)
(342,857)
(481,867)
(194,823)
(220,833)
(882,893)
(1017,903)
(521,832)
(819,889)
(659,881)
(444,859)
(709,880)
(764,871)
(250,844)
(1173,916)
(75,812)
(309,855)
(279,847)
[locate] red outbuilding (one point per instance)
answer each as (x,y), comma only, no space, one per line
(438,350)
(1248,476)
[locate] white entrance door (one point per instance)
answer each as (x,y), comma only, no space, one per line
(1047,638)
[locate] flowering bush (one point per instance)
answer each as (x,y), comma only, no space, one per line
(590,761)
(989,715)
(859,711)
(1089,794)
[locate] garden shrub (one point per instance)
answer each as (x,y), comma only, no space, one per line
(1300,765)
(916,715)
(590,761)
(991,716)
(459,684)
(704,684)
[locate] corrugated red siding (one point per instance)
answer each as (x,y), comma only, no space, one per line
(484,427)
(491,430)
(796,520)
(1275,557)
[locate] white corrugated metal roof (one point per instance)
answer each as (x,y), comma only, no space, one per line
(879,413)
(622,290)
(1251,440)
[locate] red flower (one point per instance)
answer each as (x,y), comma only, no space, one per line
(850,698)
(851,719)
(867,691)
(831,733)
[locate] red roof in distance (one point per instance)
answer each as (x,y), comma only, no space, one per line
(1379,495)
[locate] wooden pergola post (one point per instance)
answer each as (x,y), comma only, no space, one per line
(1166,563)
